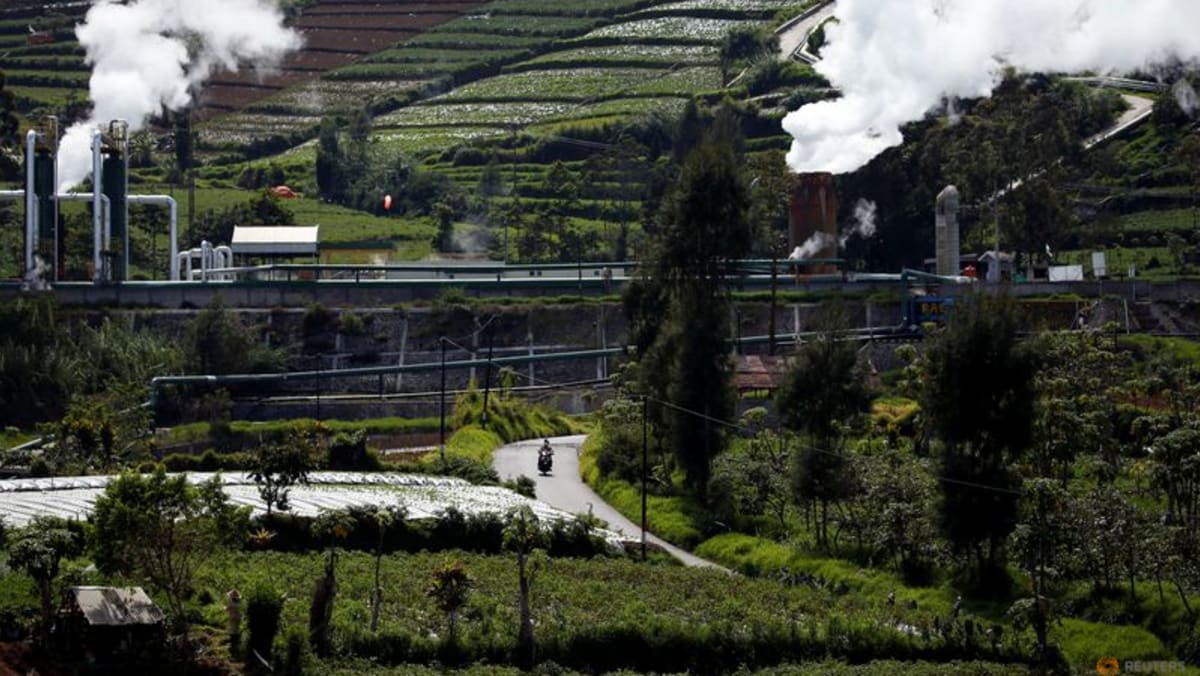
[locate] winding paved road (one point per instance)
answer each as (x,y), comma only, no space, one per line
(564,489)
(793,36)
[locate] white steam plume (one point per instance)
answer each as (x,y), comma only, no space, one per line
(151,54)
(1186,97)
(864,222)
(894,60)
(815,244)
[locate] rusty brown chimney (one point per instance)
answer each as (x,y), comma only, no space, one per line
(814,209)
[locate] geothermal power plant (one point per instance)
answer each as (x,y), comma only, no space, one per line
(45,244)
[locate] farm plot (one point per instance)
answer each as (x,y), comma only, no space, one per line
(456,57)
(48,78)
(376,21)
(574,8)
(668,29)
(335,35)
(398,71)
(547,26)
(609,110)
(473,114)
(69,62)
(242,128)
(350,8)
(719,9)
(422,140)
(628,55)
(325,97)
(424,497)
(33,97)
(574,84)
(453,38)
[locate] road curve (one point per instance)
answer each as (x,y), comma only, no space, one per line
(793,36)
(563,488)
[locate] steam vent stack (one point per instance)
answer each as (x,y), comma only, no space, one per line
(946,232)
(814,209)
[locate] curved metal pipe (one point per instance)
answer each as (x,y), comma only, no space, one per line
(101,219)
(167,201)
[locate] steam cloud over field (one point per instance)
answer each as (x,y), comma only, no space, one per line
(151,54)
(894,60)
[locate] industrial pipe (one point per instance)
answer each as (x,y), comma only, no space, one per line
(224,258)
(30,201)
(167,201)
(100,221)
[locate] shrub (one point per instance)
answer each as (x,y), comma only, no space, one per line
(263,607)
(523,485)
(348,451)
(295,651)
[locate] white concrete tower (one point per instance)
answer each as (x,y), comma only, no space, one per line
(946,232)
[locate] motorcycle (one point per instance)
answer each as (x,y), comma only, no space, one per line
(545,462)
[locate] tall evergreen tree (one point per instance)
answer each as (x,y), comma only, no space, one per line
(979,399)
(685,359)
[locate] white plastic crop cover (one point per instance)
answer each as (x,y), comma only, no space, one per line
(423,496)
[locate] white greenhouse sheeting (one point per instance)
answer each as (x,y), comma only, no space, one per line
(423,496)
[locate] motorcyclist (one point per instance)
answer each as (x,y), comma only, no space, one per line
(545,450)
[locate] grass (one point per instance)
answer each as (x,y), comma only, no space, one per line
(672,518)
(472,443)
(13,437)
(1176,349)
(1159,221)
(412,235)
(200,430)
(1084,643)
(1119,259)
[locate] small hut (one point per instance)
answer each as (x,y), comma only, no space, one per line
(108,621)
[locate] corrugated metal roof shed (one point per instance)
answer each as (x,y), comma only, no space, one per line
(759,372)
(116,606)
(275,240)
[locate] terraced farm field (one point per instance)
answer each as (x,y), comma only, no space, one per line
(335,34)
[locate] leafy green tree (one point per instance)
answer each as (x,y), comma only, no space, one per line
(38,551)
(979,400)
(491,181)
(330,183)
(823,390)
(745,44)
(898,496)
(38,370)
(525,537)
(753,483)
(278,466)
(163,529)
(450,588)
(444,214)
(215,341)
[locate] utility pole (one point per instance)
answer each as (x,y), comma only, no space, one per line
(645,403)
(487,378)
(442,443)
